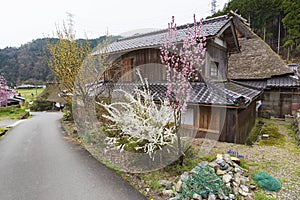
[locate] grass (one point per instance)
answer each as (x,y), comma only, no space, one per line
(275,138)
(253,135)
(30,94)
(260,195)
(11,112)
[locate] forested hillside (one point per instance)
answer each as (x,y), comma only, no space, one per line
(276,21)
(29,63)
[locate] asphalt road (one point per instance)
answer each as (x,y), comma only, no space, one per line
(36,163)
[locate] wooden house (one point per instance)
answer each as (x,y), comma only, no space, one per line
(218,108)
(260,67)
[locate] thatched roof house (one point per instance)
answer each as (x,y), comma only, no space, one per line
(53,93)
(257,60)
(260,67)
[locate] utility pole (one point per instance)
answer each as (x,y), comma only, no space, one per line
(213,6)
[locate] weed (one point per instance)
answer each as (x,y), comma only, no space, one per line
(253,135)
(275,138)
(260,195)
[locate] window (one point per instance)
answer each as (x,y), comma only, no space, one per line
(214,69)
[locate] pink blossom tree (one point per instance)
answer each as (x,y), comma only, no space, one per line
(5,91)
(183,63)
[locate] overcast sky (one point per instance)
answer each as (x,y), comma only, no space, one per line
(21,21)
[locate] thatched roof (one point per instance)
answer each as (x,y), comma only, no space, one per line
(53,92)
(257,60)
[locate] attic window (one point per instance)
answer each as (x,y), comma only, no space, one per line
(214,69)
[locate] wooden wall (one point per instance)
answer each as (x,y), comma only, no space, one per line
(227,124)
(147,59)
(219,55)
(278,102)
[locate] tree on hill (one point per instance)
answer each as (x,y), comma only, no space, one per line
(275,21)
(291,22)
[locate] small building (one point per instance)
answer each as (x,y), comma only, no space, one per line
(218,107)
(54,92)
(260,67)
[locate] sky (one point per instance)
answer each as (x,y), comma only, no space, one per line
(22,21)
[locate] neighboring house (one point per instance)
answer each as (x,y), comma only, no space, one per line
(226,109)
(260,67)
(15,100)
(54,92)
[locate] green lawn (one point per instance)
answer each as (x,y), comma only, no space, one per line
(11,112)
(30,94)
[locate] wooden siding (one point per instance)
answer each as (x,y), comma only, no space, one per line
(278,102)
(228,125)
(148,61)
(218,55)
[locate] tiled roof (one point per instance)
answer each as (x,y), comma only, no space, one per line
(281,81)
(226,94)
(211,27)
(285,81)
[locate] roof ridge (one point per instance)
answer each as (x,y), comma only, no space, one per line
(183,26)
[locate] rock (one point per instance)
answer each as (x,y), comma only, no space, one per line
(235,184)
(235,190)
(221,194)
(227,178)
(168,193)
(237,179)
(238,170)
(174,198)
(178,186)
(244,188)
(231,196)
(223,165)
(244,180)
(242,192)
(197,196)
(184,176)
(147,190)
(252,187)
(228,185)
(227,158)
(214,165)
(229,170)
(203,164)
(211,196)
(165,183)
(219,156)
(220,172)
(235,160)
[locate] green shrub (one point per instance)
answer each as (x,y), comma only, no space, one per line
(68,116)
(254,133)
(41,105)
(267,182)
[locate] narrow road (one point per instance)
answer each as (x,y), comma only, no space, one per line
(36,163)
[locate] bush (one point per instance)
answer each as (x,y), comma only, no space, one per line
(68,116)
(41,105)
(254,133)
(267,182)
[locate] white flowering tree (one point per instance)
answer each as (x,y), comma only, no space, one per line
(138,123)
(183,64)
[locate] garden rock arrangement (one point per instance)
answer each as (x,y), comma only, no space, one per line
(222,178)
